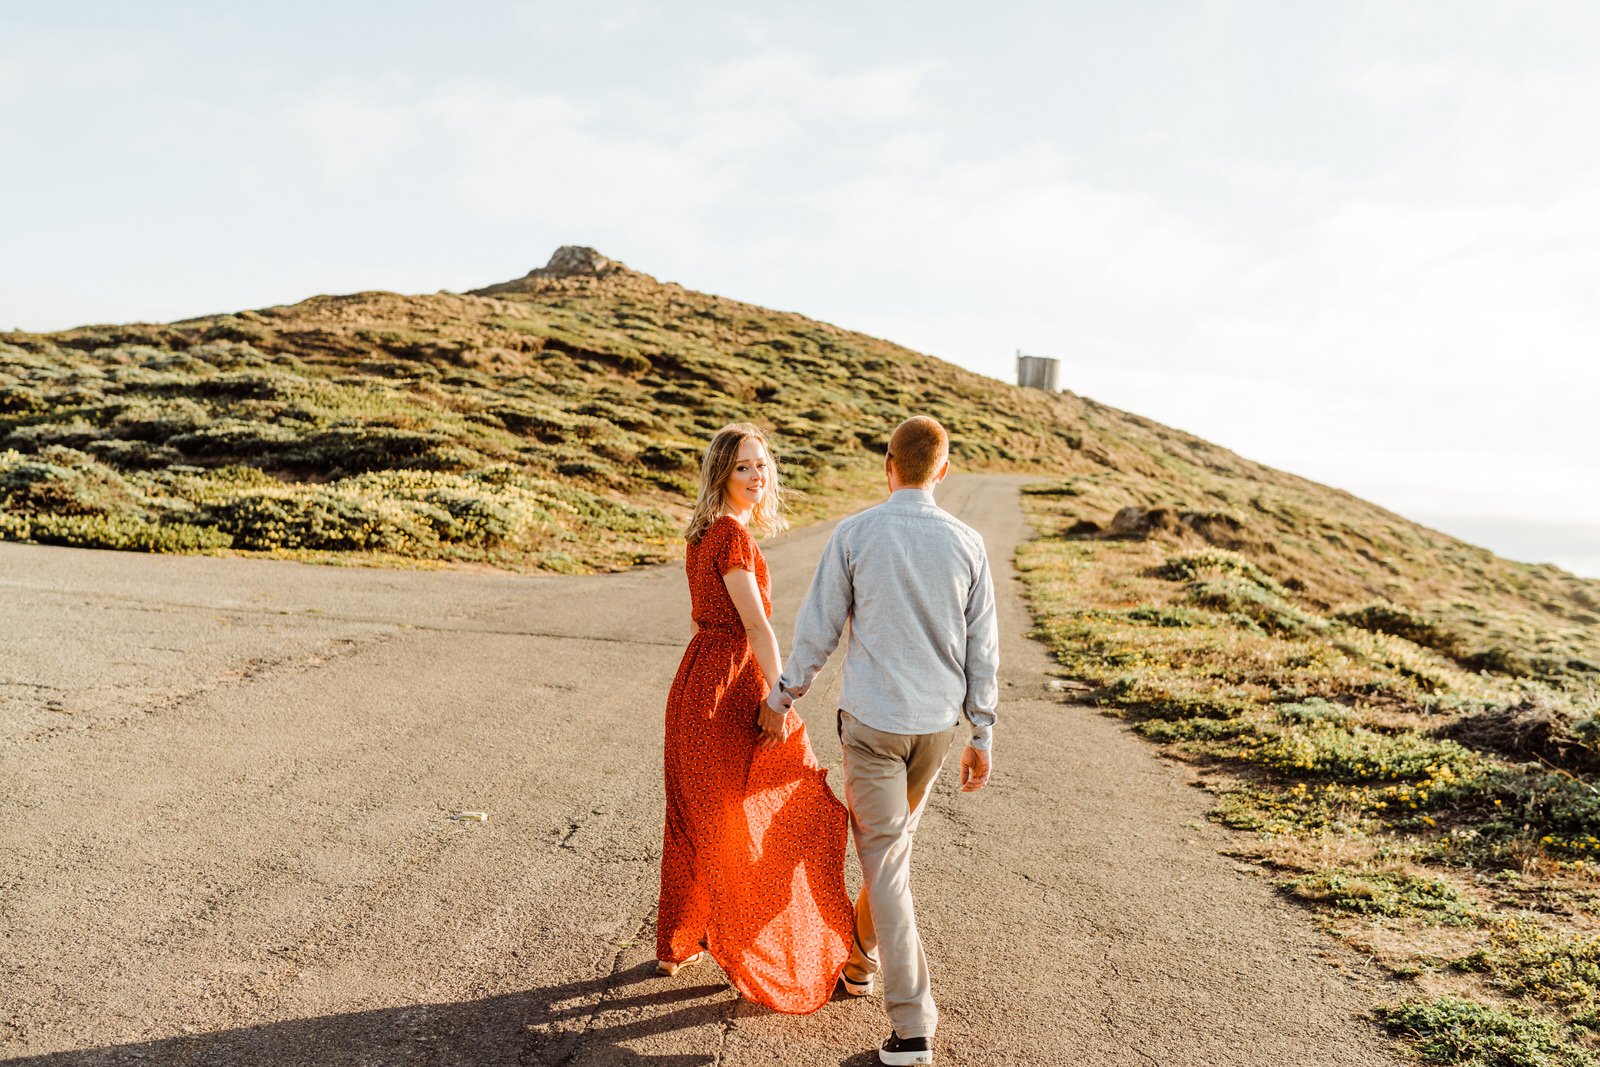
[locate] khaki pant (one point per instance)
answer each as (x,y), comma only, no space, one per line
(887,779)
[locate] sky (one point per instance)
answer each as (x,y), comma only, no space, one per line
(1356,241)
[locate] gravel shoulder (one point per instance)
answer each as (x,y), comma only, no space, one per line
(226,837)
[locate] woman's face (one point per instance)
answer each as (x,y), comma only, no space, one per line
(747,485)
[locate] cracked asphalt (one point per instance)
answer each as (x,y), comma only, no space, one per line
(227,791)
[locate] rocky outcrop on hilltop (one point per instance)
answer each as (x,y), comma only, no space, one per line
(567,262)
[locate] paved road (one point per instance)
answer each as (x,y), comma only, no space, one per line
(225,838)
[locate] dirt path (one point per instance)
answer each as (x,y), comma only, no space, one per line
(225,838)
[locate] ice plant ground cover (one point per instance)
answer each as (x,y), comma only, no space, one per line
(1411,753)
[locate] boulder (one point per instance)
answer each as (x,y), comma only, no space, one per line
(576,259)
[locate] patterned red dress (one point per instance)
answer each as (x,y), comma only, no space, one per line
(752,859)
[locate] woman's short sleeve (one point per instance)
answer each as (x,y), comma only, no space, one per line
(737,551)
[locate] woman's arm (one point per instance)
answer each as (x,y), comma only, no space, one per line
(764,643)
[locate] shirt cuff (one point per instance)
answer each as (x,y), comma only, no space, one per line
(982,738)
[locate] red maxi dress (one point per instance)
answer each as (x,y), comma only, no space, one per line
(752,860)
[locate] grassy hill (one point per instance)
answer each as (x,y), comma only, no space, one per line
(1406,725)
(553,422)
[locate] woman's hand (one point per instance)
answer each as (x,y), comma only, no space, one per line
(774,727)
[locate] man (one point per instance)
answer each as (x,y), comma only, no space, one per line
(913,582)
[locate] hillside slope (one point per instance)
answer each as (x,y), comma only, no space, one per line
(555,422)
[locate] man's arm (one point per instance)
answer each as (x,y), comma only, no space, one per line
(821,620)
(983,658)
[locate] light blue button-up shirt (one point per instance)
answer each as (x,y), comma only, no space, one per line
(913,582)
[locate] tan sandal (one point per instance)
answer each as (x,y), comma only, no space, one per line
(668,969)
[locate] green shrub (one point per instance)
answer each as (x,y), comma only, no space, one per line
(234,439)
(1246,598)
(1497,659)
(1342,752)
(1463,1033)
(1170,617)
(1524,960)
(354,449)
(1560,812)
(241,385)
(19,399)
(1146,698)
(1386,618)
(63,481)
(73,432)
(1538,727)
(234,328)
(669,458)
(1177,730)
(123,532)
(482,510)
(158,420)
(1384,893)
(1055,489)
(630,418)
(548,424)
(326,520)
(133,454)
(1315,710)
(1189,566)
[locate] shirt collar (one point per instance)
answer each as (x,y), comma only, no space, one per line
(913,496)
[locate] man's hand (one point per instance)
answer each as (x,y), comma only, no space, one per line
(975,767)
(774,722)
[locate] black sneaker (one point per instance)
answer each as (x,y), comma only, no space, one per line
(902,1050)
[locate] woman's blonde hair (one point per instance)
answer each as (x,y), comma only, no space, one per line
(716,466)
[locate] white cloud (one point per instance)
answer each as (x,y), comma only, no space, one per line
(545,159)
(1012,235)
(71,64)
(355,130)
(795,84)
(641,171)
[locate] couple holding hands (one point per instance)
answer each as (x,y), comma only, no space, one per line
(752,866)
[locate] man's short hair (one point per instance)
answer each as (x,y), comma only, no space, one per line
(919,446)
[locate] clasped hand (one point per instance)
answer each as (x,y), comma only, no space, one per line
(774,717)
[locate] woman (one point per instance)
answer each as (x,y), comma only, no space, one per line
(752,863)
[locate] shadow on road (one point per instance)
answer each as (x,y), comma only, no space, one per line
(577,1023)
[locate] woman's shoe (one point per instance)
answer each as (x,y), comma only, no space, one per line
(856,988)
(664,967)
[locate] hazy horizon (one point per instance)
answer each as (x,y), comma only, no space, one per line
(1360,243)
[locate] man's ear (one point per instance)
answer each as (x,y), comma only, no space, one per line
(944,470)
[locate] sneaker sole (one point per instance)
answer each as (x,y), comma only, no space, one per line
(903,1059)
